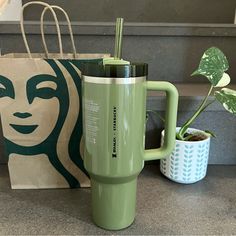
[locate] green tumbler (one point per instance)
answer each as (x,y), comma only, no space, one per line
(114,117)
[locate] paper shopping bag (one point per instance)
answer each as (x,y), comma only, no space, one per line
(40,109)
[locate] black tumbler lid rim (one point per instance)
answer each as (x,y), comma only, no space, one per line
(115,71)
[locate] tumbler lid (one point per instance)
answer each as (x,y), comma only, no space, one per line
(115,71)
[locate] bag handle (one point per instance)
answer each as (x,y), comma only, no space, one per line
(69,27)
(23,28)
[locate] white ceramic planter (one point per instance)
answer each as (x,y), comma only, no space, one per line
(188,162)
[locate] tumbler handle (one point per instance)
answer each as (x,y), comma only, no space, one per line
(170,120)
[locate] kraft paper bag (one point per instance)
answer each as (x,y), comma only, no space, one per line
(40,110)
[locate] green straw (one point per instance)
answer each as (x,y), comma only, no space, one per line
(118,39)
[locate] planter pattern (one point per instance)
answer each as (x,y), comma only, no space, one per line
(188,161)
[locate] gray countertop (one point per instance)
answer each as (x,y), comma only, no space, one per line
(163,207)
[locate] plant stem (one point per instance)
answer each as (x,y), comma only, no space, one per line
(202,107)
(157,114)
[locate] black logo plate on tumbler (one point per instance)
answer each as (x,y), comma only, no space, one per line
(114,143)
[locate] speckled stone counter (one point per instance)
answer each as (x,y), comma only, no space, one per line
(163,207)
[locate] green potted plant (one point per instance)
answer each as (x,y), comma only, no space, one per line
(189,159)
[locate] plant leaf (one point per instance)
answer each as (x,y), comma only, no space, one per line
(224,81)
(227,97)
(208,132)
(213,64)
(188,137)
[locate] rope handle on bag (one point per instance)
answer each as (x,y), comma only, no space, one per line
(23,28)
(69,27)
